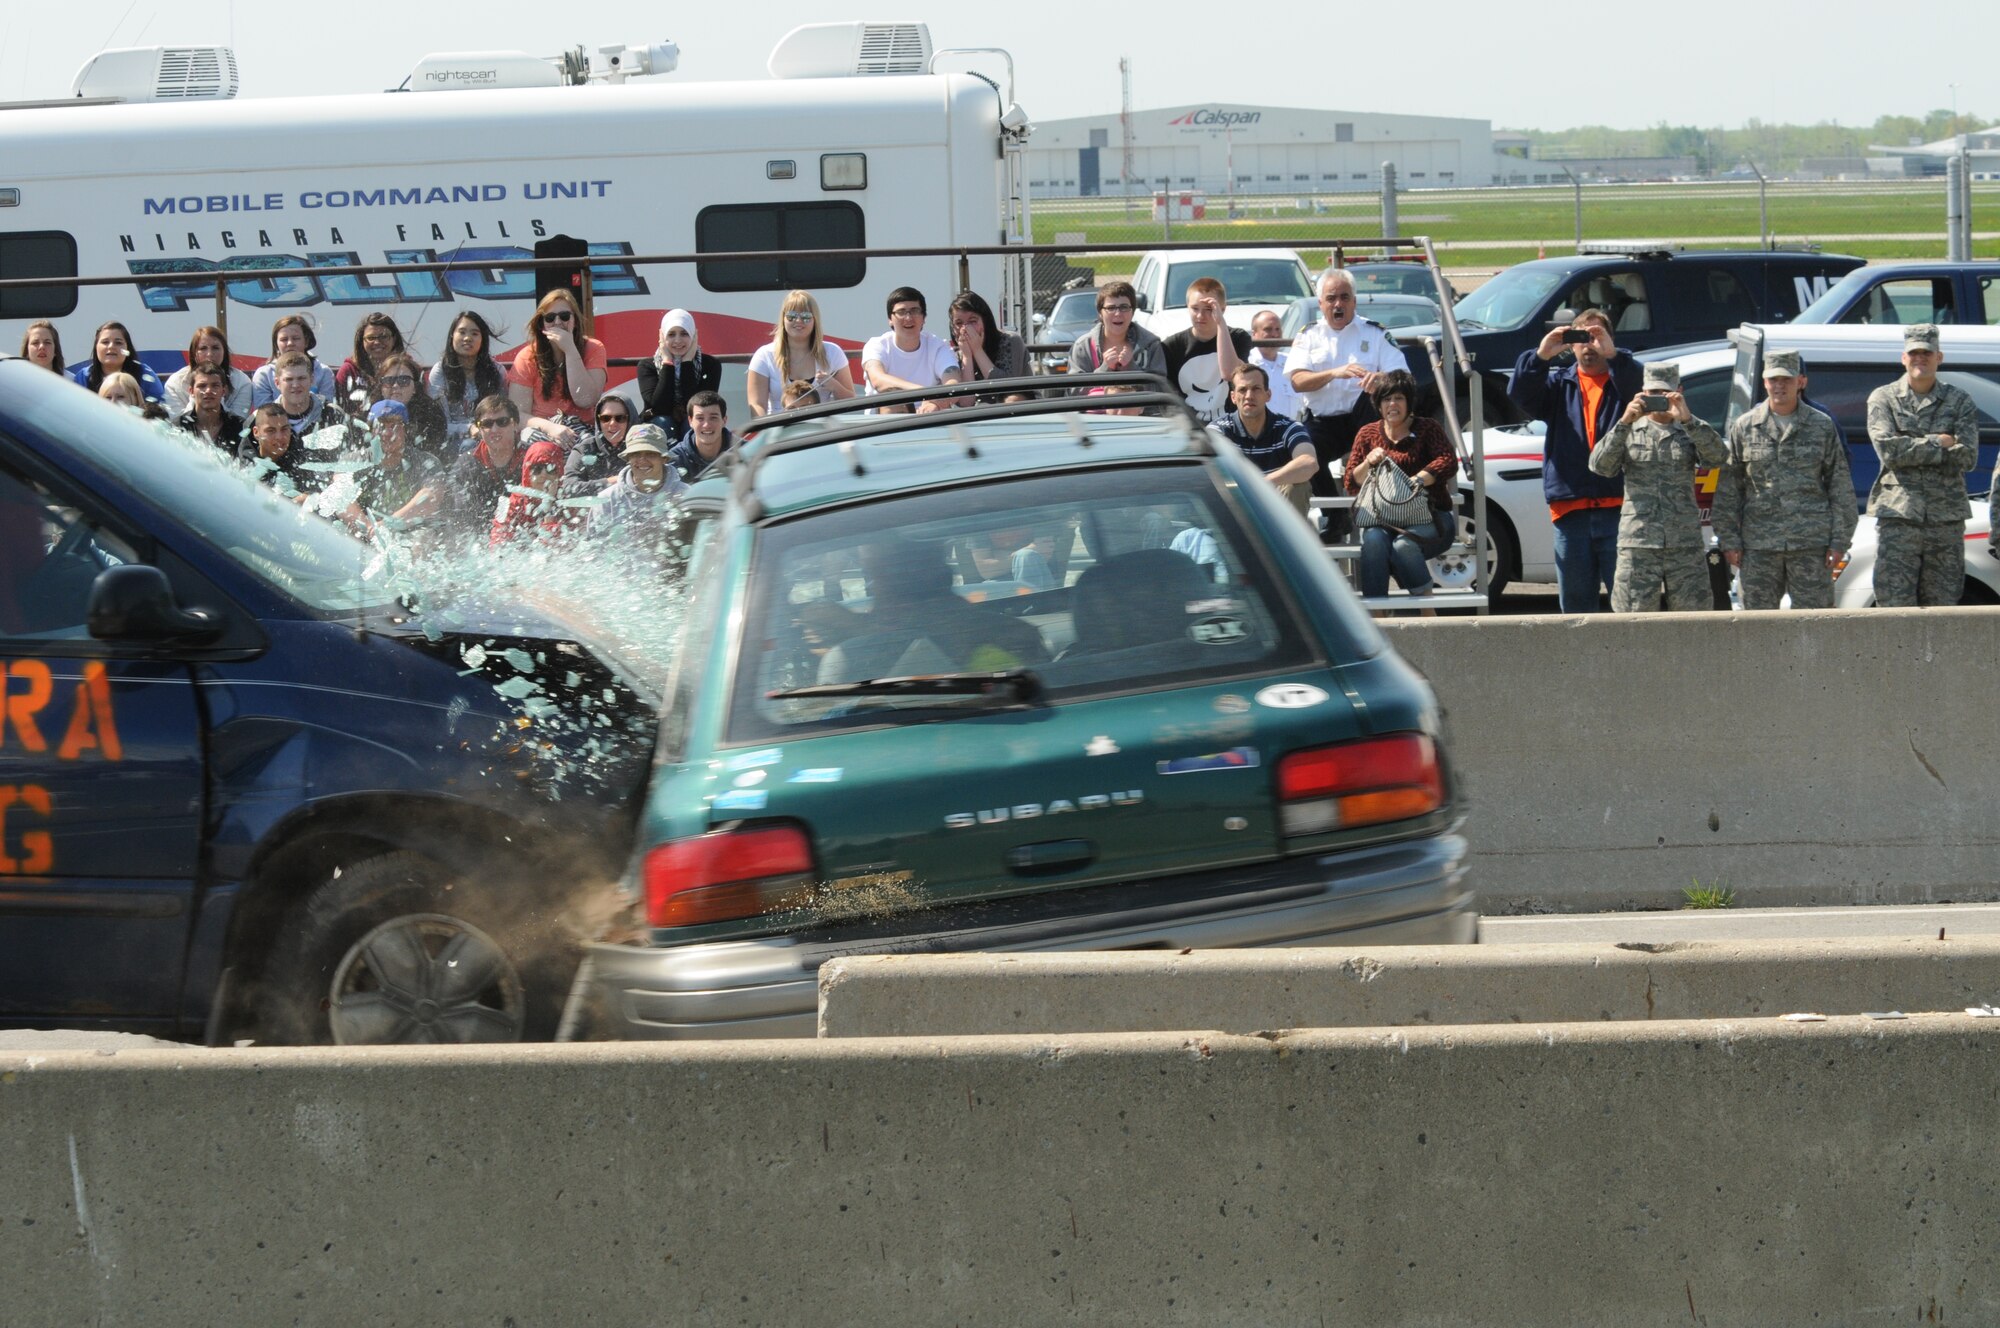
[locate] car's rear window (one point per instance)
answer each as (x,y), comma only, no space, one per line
(1246,280)
(1098,582)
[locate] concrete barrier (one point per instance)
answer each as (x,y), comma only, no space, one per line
(1247,991)
(1639,1174)
(1827,757)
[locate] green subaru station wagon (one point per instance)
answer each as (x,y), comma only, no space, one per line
(1023,676)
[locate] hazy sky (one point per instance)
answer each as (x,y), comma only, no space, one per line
(1704,62)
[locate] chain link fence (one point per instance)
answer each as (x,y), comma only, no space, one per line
(1482,230)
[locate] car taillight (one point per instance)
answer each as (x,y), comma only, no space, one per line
(1359,783)
(728,874)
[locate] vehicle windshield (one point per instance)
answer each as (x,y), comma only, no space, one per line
(1119,580)
(1393,314)
(1246,280)
(1077,309)
(1510,298)
(1392,279)
(313,560)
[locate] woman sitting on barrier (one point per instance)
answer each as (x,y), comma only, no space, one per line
(464,375)
(376,336)
(1417,446)
(984,351)
(111,353)
(561,369)
(290,333)
(41,345)
(208,349)
(798,349)
(676,372)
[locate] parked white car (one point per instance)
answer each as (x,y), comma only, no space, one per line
(1854,583)
(1255,280)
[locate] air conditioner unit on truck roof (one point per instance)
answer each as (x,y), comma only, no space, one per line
(159,73)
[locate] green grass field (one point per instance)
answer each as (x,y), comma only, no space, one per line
(1492,228)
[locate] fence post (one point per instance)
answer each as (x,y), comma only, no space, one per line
(222,309)
(1956,232)
(1389,200)
(1765,240)
(964,270)
(1577,185)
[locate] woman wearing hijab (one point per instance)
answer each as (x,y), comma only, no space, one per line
(676,372)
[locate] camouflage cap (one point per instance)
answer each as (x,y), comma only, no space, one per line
(1781,364)
(1665,377)
(1920,336)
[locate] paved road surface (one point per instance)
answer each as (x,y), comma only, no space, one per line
(1745,924)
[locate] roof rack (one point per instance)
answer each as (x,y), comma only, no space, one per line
(1068,401)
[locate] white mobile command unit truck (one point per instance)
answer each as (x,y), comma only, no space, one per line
(854,142)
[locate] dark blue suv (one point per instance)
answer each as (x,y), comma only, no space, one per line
(247,789)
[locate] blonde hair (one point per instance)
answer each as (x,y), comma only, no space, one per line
(122,387)
(799,302)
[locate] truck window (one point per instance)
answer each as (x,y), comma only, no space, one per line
(1621,295)
(50,556)
(26,254)
(750,227)
(1989,299)
(1910,300)
(1716,297)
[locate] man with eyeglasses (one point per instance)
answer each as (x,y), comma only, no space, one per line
(473,494)
(1332,366)
(1117,343)
(906,356)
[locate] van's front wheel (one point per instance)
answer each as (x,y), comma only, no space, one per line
(395,950)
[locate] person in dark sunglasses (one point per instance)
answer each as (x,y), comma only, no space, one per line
(561,369)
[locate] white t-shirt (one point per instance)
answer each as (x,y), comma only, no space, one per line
(925,366)
(1318,348)
(1283,400)
(765,362)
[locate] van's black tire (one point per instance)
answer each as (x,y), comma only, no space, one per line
(400,948)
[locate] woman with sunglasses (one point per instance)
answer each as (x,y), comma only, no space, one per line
(798,350)
(111,353)
(595,458)
(561,369)
(374,337)
(464,375)
(399,378)
(208,349)
(676,372)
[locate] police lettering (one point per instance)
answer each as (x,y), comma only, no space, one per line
(37,852)
(24,720)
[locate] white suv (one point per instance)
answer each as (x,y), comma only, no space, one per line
(1843,364)
(1254,279)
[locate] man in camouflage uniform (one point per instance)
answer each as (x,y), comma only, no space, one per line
(1927,435)
(1659,532)
(1784,502)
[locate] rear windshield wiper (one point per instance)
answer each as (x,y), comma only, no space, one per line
(1007,687)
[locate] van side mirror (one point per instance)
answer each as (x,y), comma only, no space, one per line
(136,603)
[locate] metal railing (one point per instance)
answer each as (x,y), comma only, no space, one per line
(1446,355)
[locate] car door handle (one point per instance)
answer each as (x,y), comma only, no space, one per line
(1051,855)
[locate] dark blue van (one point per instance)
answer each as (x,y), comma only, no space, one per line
(247,788)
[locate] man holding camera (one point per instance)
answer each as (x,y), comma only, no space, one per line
(1657,446)
(1580,400)
(1927,436)
(1784,499)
